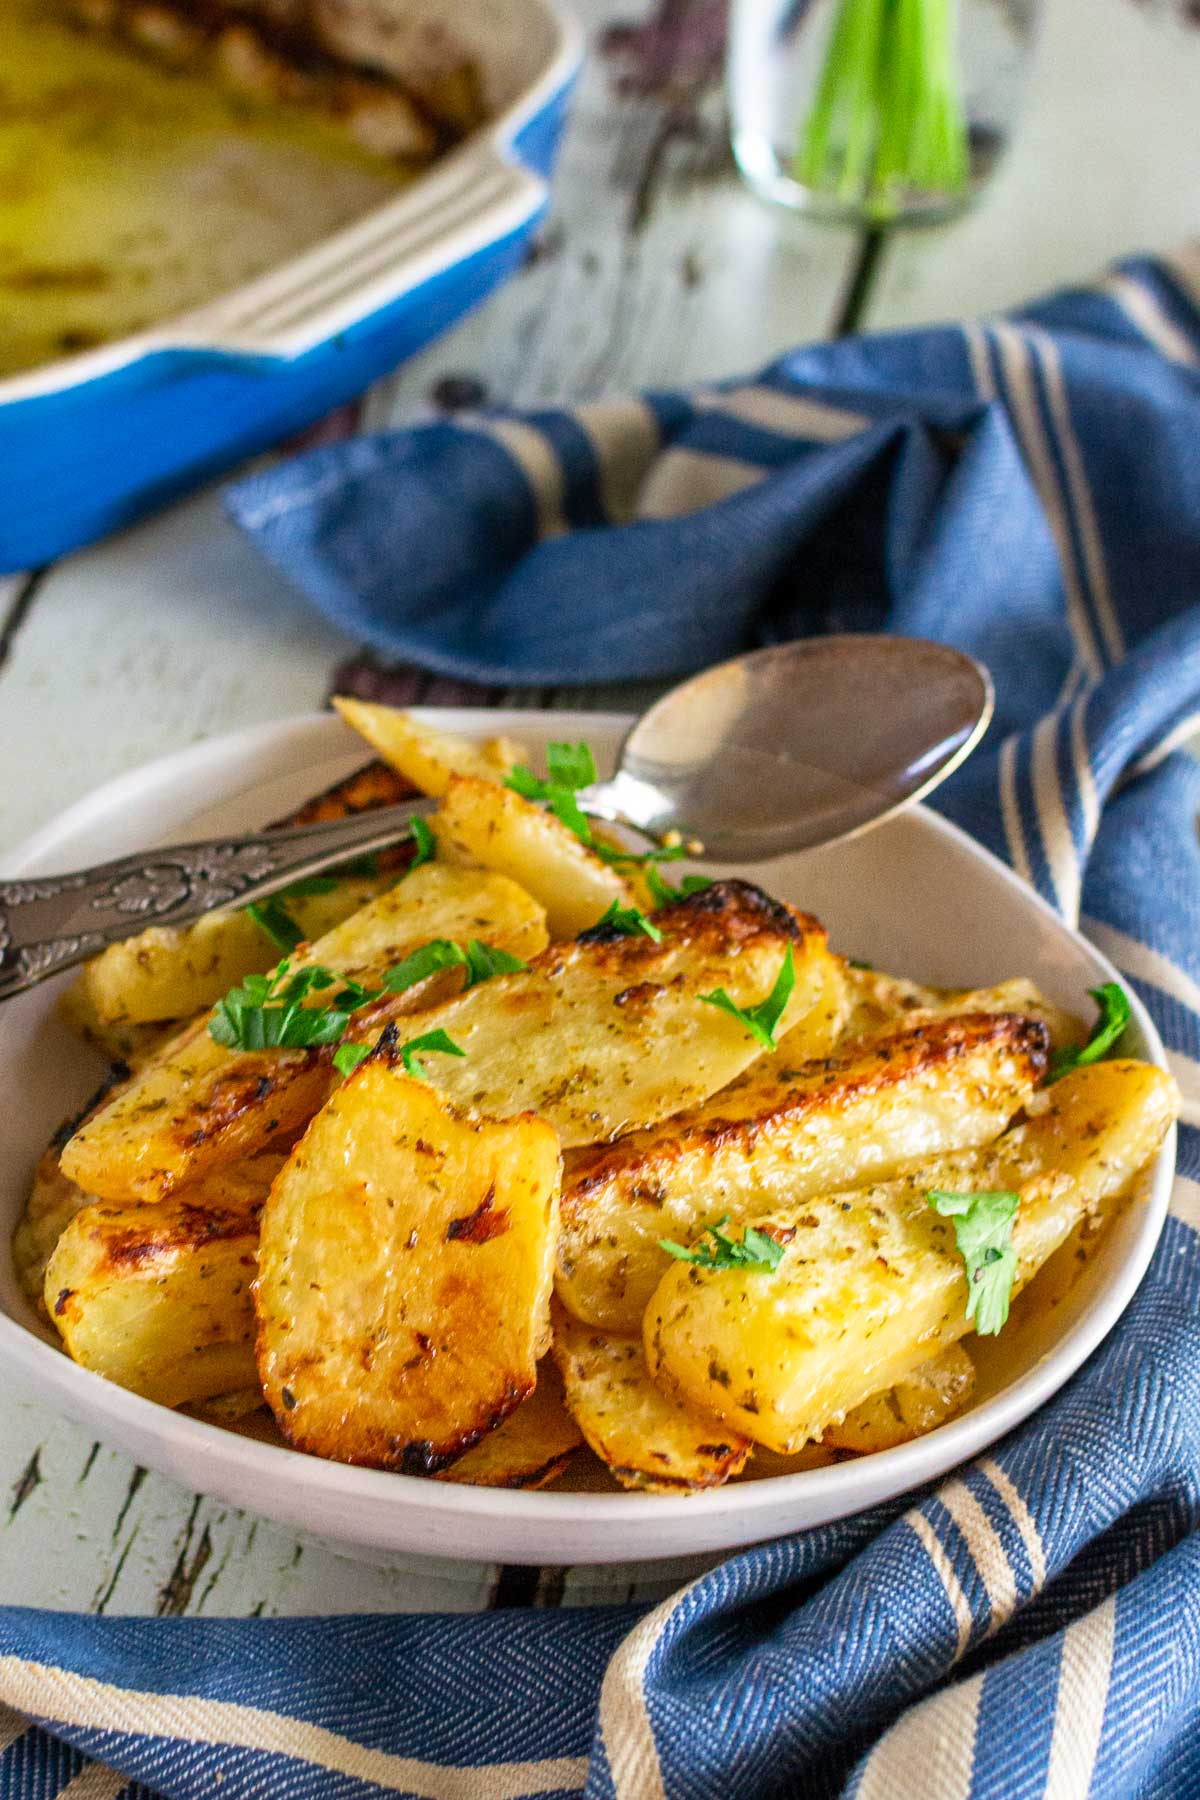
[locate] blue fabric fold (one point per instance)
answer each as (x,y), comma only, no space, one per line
(1030,490)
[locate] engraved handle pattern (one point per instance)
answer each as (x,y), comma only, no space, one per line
(50,922)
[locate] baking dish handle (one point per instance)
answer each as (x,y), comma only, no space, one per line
(475,201)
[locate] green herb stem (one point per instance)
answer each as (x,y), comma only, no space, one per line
(887,115)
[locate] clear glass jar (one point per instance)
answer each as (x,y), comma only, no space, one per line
(876,111)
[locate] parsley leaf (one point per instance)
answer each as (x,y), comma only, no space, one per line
(480,960)
(425,841)
(347,1057)
(571,766)
(983,1226)
(754,1250)
(1113,1003)
(663,892)
(440,953)
(276,922)
(628,920)
(761,1020)
(483,962)
(441,1041)
(267,1012)
(310,884)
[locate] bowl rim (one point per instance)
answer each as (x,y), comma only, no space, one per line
(836,1491)
(508,196)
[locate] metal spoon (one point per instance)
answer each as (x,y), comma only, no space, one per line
(772,752)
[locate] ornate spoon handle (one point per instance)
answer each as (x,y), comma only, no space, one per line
(50,922)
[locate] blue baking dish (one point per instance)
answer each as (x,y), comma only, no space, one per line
(91,442)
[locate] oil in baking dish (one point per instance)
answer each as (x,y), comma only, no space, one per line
(129,192)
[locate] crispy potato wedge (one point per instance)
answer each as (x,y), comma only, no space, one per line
(870,1283)
(531,1447)
(54,1199)
(929,1395)
(610,1032)
(366,789)
(404,1273)
(203,1105)
(53,1202)
(131,1045)
(482,823)
(157,1298)
(645,1438)
(782,1130)
(879,1002)
(172,973)
(427,757)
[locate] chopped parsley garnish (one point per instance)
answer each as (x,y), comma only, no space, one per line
(276,922)
(423,838)
(481,962)
(983,1227)
(662,891)
(439,954)
(754,1250)
(571,767)
(1113,1004)
(629,920)
(761,1020)
(347,1057)
(441,1041)
(267,1012)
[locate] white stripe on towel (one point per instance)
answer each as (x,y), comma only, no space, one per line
(929,1751)
(62,1697)
(1083,1677)
(682,481)
(1015,355)
(1142,309)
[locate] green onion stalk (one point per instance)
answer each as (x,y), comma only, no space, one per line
(887,120)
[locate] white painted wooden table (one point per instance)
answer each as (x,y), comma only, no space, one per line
(655,267)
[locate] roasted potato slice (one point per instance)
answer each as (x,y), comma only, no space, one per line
(53,1198)
(427,757)
(879,1002)
(171,972)
(783,1130)
(157,1298)
(203,1105)
(53,1202)
(644,1437)
(404,1273)
(531,1447)
(502,830)
(174,972)
(929,1395)
(871,1284)
(610,1032)
(117,1042)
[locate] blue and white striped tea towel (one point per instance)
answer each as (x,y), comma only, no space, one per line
(1030,490)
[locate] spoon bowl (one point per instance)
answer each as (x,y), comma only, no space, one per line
(797,745)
